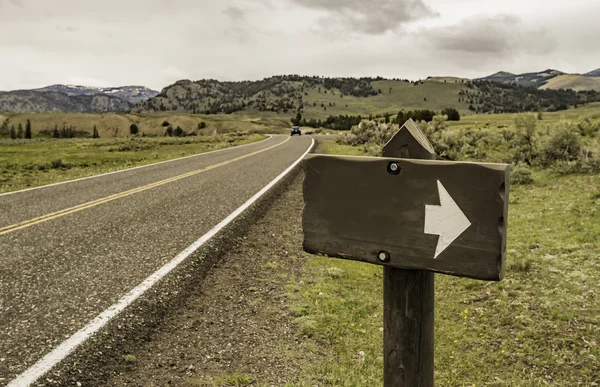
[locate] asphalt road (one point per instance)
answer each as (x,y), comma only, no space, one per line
(69,251)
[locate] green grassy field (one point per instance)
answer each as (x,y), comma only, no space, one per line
(495,121)
(30,163)
(403,95)
(539,326)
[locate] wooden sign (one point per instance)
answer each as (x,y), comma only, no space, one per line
(415,216)
(440,216)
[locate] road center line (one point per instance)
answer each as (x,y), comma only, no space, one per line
(59,353)
(93,203)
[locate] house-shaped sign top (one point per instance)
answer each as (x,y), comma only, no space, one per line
(409,141)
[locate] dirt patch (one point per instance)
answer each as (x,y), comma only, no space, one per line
(236,327)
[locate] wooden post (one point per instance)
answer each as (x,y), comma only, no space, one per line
(408,303)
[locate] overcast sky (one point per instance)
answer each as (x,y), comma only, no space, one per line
(157,42)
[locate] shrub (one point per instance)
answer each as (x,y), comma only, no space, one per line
(166,123)
(588,127)
(178,132)
(369,132)
(521,174)
(524,141)
(58,163)
(563,145)
(588,160)
(202,125)
(133,129)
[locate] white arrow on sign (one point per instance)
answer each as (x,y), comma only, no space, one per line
(446,220)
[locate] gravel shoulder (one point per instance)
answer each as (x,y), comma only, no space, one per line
(235,326)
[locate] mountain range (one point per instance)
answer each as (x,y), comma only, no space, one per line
(133,94)
(318,96)
(80,99)
(549,79)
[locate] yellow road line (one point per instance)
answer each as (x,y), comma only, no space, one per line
(93,203)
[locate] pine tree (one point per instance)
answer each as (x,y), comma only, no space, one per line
(28,129)
(20,131)
(56,134)
(13,132)
(95,133)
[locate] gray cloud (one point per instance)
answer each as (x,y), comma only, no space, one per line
(370,17)
(16,3)
(235,13)
(157,42)
(501,35)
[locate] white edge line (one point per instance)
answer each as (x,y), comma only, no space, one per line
(59,353)
(132,168)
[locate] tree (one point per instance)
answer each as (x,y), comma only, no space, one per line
(4,127)
(13,132)
(202,125)
(169,131)
(453,114)
(56,133)
(133,129)
(28,129)
(20,131)
(178,132)
(95,133)
(296,120)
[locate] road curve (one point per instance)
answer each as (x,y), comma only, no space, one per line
(70,251)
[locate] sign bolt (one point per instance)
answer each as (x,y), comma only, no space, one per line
(394,168)
(383,256)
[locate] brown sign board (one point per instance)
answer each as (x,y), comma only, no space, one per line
(441,216)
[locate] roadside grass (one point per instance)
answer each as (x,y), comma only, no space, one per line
(116,125)
(331,147)
(539,326)
(30,163)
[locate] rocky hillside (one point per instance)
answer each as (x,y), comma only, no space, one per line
(593,74)
(133,94)
(279,93)
(27,101)
(319,98)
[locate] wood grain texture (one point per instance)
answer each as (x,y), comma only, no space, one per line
(408,320)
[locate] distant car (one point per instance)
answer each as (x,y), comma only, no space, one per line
(296,130)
